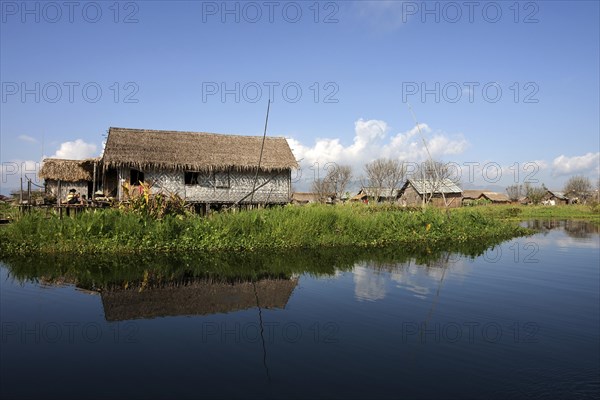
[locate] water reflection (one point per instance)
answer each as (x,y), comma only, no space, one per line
(200,297)
(572,228)
(368,285)
(247,326)
(414,275)
(566,234)
(151,286)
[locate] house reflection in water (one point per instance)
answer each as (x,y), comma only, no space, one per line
(201,297)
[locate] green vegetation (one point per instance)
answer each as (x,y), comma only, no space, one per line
(317,226)
(8,211)
(132,230)
(590,212)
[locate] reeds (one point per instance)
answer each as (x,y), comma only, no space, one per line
(313,226)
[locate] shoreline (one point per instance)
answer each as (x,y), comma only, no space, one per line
(277,229)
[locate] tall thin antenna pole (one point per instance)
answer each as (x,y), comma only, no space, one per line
(437,176)
(262,147)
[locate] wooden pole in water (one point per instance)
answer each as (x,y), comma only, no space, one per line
(437,176)
(58,196)
(262,147)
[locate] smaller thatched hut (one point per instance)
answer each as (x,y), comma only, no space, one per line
(495,198)
(305,198)
(472,196)
(62,175)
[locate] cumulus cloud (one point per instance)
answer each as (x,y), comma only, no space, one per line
(372,140)
(76,150)
(27,138)
(563,165)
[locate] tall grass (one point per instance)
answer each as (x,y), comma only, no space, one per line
(286,227)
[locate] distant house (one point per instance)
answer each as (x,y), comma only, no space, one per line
(200,167)
(377,195)
(553,197)
(62,175)
(416,192)
(470,196)
(306,198)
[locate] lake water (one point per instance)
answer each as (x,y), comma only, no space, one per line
(520,320)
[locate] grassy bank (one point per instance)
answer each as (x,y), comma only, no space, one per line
(586,212)
(114,231)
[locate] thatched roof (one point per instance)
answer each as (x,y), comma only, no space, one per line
(470,194)
(304,197)
(423,186)
(194,151)
(496,197)
(67,170)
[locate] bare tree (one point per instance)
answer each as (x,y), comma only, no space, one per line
(515,192)
(376,172)
(338,177)
(384,174)
(323,189)
(435,173)
(580,186)
(396,174)
(535,194)
(437,170)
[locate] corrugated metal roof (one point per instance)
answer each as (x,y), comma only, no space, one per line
(430,186)
(560,195)
(379,192)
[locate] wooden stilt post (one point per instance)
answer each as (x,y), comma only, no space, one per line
(29,195)
(94,182)
(58,197)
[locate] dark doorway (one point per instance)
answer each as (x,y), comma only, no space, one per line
(136,177)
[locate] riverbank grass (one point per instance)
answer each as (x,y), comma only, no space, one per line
(288,227)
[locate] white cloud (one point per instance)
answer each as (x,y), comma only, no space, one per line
(540,164)
(76,150)
(563,165)
(372,141)
(368,284)
(27,138)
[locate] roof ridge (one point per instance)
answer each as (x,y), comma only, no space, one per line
(192,132)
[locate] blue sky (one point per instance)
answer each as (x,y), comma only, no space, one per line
(164,65)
